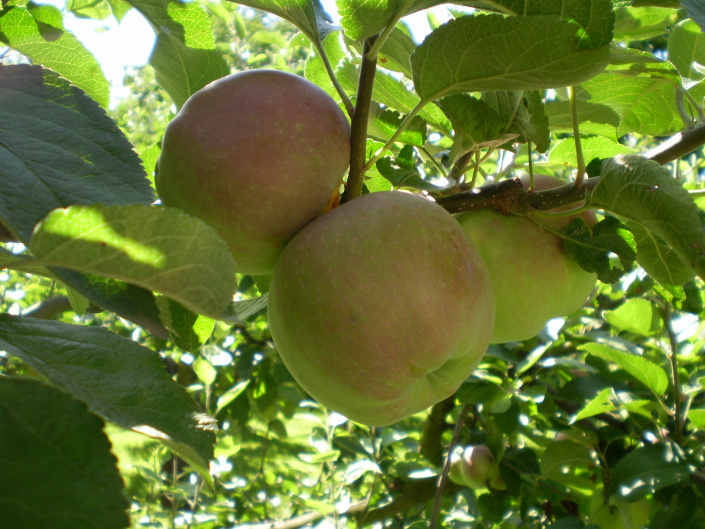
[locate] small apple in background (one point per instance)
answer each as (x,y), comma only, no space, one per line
(534,279)
(381,307)
(476,468)
(257,155)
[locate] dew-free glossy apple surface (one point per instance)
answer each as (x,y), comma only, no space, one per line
(257,155)
(382,307)
(534,279)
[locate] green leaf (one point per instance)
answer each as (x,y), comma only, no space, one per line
(362,19)
(523,113)
(656,208)
(315,70)
(182,71)
(184,56)
(306,15)
(95,9)
(648,469)
(392,93)
(476,125)
(565,153)
(395,53)
(686,46)
(79,303)
(634,99)
(591,247)
(188,330)
(57,148)
(696,10)
(54,48)
(231,394)
(697,417)
(133,303)
(149,157)
(56,466)
(383,123)
(205,372)
(635,315)
(324,457)
(403,174)
(564,461)
(27,264)
(531,120)
(48,19)
(649,374)
(246,308)
(537,52)
(594,118)
(119,8)
(641,23)
(119,380)
(601,403)
(658,259)
(157,248)
(356,470)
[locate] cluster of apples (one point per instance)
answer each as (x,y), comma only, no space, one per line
(384,305)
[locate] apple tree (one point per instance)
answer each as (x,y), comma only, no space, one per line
(140,382)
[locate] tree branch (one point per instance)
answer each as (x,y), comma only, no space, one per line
(509,197)
(431,446)
(358,127)
(446,467)
(293,523)
(678,146)
(418,491)
(49,308)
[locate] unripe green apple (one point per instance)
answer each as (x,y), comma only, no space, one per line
(381,307)
(474,468)
(534,279)
(256,155)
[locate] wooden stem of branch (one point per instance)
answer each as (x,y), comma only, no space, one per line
(678,146)
(299,521)
(420,491)
(358,128)
(431,446)
(508,196)
(49,308)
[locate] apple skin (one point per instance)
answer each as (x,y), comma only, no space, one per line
(381,307)
(474,468)
(534,279)
(257,155)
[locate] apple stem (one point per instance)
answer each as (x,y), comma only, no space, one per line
(358,127)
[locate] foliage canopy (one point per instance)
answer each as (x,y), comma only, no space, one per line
(116,340)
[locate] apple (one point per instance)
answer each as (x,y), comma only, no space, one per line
(534,279)
(474,468)
(257,155)
(381,307)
